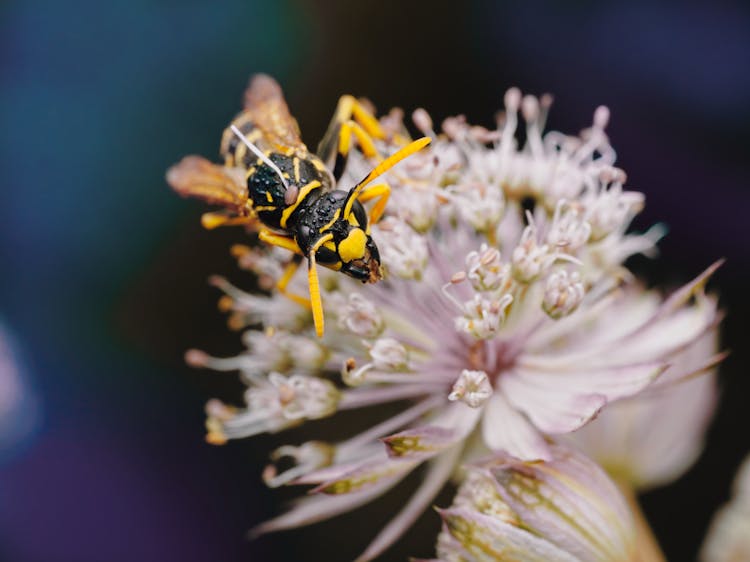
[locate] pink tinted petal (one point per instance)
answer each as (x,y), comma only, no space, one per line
(665,335)
(328,473)
(656,435)
(611,382)
(689,290)
(571,502)
(419,443)
(452,425)
(437,474)
(671,327)
(318,508)
(681,374)
(448,548)
(551,408)
(488,539)
(353,445)
(506,429)
(368,474)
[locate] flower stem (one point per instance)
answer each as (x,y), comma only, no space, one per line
(647,547)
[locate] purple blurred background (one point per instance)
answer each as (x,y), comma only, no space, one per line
(103,269)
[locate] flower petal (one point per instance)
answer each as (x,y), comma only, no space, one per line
(671,327)
(446,429)
(487,539)
(318,508)
(368,474)
(555,408)
(506,429)
(570,501)
(437,474)
(419,443)
(611,382)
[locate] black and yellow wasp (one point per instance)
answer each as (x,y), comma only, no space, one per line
(271,181)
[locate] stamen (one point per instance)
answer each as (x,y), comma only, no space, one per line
(259,153)
(423,122)
(308,457)
(472,387)
(563,293)
(389,354)
(361,317)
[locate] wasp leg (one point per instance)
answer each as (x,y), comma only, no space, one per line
(289,271)
(288,243)
(345,142)
(281,240)
(350,116)
(209,221)
(315,302)
(312,279)
(381,192)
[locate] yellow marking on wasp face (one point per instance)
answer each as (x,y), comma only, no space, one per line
(330,245)
(269,197)
(266,208)
(303,192)
(352,219)
(329,224)
(296,169)
(353,246)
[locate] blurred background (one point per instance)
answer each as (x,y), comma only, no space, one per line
(104,270)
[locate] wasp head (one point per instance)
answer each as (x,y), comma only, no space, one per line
(349,248)
(355,247)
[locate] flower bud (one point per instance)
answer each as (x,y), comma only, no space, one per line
(564,510)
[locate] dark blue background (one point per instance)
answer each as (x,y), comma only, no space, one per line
(103,269)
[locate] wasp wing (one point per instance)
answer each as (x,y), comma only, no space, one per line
(195,176)
(265,105)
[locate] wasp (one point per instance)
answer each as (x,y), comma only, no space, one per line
(271,182)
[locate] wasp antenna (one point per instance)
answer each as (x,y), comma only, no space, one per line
(259,153)
(383,167)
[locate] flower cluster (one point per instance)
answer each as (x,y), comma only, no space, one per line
(506,319)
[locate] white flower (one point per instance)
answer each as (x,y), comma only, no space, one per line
(526,342)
